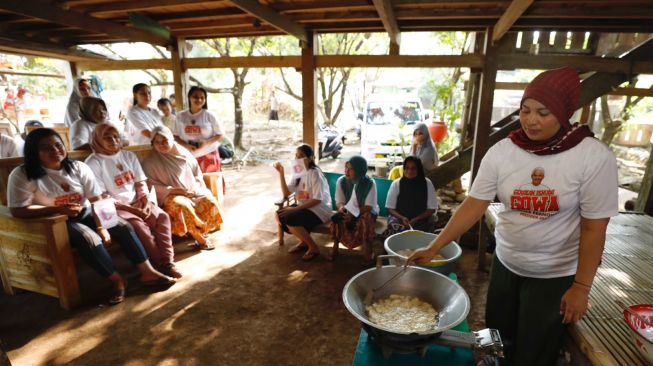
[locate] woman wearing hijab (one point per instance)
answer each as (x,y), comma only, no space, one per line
(314,202)
(81,88)
(120,175)
(199,131)
(50,183)
(141,118)
(411,200)
(92,111)
(423,147)
(179,184)
(356,202)
(550,239)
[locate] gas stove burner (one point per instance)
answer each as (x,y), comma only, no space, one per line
(403,344)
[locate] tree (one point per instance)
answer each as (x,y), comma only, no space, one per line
(612,126)
(332,81)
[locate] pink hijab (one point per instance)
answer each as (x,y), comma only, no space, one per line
(97,144)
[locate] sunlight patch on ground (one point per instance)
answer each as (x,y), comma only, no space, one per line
(167,325)
(296,276)
(616,274)
(50,344)
(249,210)
(86,344)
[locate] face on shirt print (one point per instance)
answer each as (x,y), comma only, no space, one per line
(535,199)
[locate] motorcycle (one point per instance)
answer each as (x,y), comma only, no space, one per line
(330,141)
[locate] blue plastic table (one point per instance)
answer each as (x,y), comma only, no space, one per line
(369,354)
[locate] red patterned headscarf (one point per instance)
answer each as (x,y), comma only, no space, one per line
(558,90)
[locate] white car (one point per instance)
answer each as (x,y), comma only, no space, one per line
(387,128)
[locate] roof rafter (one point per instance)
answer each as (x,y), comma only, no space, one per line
(511,15)
(54,14)
(386,12)
(273,18)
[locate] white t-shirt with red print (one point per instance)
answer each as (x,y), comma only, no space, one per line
(56,188)
(538,231)
(117,174)
(197,127)
(313,185)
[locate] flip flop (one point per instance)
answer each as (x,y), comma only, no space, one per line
(310,256)
(117,297)
(161,281)
(205,246)
(298,248)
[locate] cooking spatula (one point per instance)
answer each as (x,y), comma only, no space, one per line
(370,293)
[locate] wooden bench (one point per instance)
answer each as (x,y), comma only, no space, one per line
(382,187)
(602,337)
(36,255)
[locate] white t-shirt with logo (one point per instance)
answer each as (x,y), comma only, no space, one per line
(538,231)
(370,200)
(117,174)
(313,185)
(197,127)
(56,188)
(81,132)
(395,188)
(141,119)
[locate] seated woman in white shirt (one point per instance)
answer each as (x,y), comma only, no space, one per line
(314,203)
(141,118)
(199,131)
(50,183)
(356,202)
(8,147)
(119,174)
(91,112)
(411,200)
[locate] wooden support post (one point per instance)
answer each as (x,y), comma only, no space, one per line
(584,115)
(483,121)
(308,92)
(179,74)
(645,198)
(394,48)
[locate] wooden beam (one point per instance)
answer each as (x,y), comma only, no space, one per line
(472,61)
(633,92)
(309,122)
(582,63)
(179,74)
(644,201)
(54,14)
(27,73)
(26,47)
(231,62)
(107,65)
(509,17)
(387,14)
(278,21)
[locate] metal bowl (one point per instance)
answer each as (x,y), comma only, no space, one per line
(415,239)
(447,297)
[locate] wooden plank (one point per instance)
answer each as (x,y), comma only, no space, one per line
(27,73)
(471,61)
(309,133)
(54,14)
(179,74)
(275,19)
(63,265)
(582,63)
(35,48)
(106,65)
(509,17)
(644,201)
(231,62)
(386,12)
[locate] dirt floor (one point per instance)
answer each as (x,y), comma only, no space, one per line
(248,302)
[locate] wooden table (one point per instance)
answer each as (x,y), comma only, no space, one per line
(602,337)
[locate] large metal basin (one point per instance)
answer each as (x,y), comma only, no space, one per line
(415,239)
(447,297)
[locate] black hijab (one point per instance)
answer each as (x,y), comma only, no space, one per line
(412,192)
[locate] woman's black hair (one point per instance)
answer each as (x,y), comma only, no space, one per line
(206,96)
(32,164)
(136,88)
(308,151)
(418,164)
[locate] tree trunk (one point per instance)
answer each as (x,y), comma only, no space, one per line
(238,113)
(610,127)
